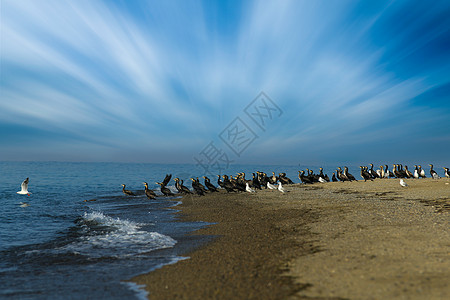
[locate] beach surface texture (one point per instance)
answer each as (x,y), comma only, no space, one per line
(342,240)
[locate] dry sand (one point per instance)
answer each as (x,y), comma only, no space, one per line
(352,240)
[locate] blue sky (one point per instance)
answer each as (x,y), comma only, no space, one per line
(157,81)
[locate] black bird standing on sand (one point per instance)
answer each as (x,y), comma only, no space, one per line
(196,186)
(388,172)
(164,190)
(433,173)
(283,179)
(273,179)
(372,172)
(127,192)
(333,178)
(209,185)
(447,172)
(364,174)
(396,171)
(227,184)
(237,184)
(408,173)
(201,186)
(422,172)
(255,182)
(180,187)
(303,178)
(349,176)
(401,171)
(325,177)
(148,192)
(311,176)
(340,175)
(263,179)
(219,182)
(416,172)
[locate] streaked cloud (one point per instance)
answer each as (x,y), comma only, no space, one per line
(146,79)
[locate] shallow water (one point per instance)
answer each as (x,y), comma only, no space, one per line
(62,247)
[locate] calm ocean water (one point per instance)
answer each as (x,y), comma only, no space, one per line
(60,247)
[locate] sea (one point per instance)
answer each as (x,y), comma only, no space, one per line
(77,236)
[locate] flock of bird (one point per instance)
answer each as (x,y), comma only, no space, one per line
(261,180)
(229,183)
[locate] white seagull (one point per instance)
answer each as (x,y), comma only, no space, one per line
(271,186)
(403,183)
(248,188)
(322,180)
(280,187)
(24,188)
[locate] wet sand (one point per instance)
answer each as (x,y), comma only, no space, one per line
(352,240)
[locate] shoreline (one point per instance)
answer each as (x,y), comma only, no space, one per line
(331,240)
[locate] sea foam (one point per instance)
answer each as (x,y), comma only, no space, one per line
(104,236)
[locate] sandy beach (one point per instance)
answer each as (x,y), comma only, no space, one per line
(352,240)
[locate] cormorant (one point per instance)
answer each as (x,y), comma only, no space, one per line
(227,185)
(408,173)
(256,183)
(180,187)
(273,179)
(416,172)
(219,182)
(148,192)
(388,173)
(401,171)
(372,172)
(333,178)
(303,178)
(396,172)
(164,190)
(380,172)
(349,176)
(263,179)
(447,172)
(286,180)
(312,177)
(323,178)
(237,184)
(196,187)
(209,185)
(422,172)
(167,179)
(127,192)
(340,175)
(364,174)
(433,173)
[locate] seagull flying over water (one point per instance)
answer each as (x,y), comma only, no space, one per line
(24,188)
(403,183)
